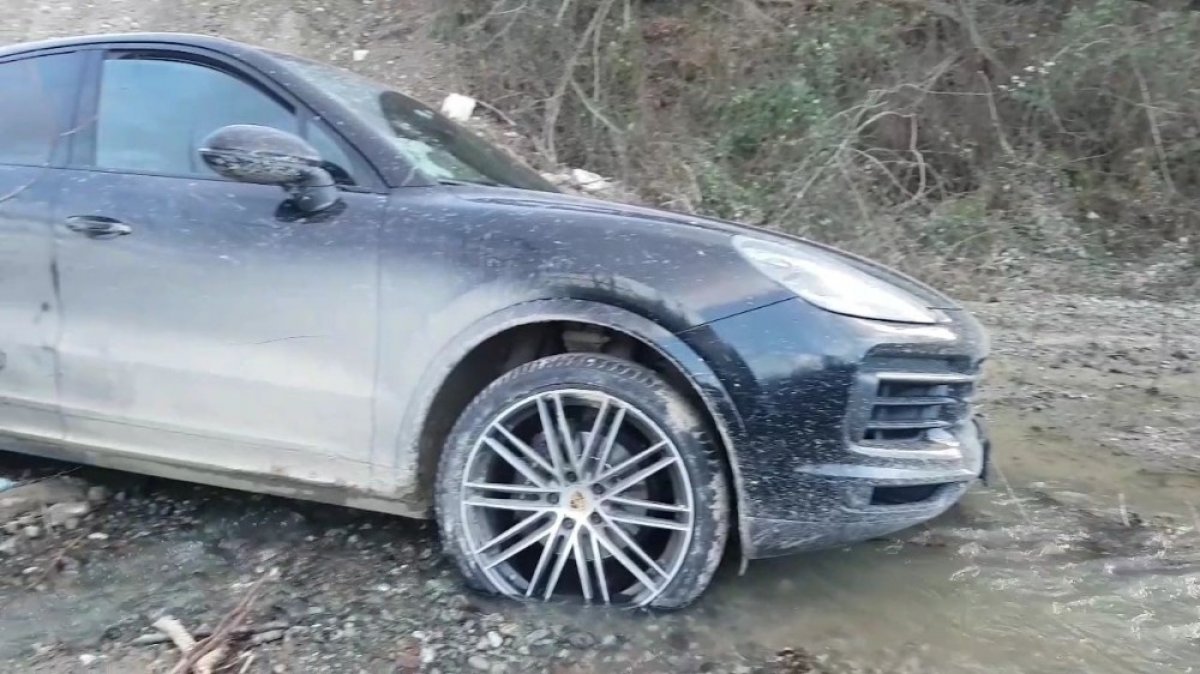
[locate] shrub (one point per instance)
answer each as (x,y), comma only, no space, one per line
(924,132)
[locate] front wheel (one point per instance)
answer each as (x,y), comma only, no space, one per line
(584,475)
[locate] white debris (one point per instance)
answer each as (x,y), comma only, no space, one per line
(458,107)
(33,496)
(588,181)
(360,54)
(97,536)
(87,659)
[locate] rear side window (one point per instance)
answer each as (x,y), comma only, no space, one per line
(153,114)
(37,101)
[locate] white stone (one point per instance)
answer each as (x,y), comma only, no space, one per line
(458,107)
(360,54)
(588,181)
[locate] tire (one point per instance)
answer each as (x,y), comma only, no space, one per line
(587,522)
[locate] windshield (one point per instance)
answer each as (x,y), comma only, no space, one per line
(441,149)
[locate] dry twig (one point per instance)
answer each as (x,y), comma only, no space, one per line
(219,640)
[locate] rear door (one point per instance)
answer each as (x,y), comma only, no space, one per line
(37,103)
(203,322)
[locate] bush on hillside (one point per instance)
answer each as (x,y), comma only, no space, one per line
(923,132)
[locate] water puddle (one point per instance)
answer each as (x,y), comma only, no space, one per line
(1071,562)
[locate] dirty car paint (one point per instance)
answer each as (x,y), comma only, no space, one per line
(223,339)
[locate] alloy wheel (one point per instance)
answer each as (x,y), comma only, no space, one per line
(577,493)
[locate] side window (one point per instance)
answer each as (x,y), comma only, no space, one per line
(37,100)
(153,114)
(337,161)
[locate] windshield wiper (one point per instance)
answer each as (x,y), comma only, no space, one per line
(460,182)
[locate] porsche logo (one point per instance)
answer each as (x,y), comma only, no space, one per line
(577,501)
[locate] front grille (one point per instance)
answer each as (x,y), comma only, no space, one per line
(906,407)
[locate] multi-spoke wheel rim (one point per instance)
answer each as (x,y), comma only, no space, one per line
(576,492)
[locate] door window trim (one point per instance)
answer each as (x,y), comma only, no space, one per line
(61,152)
(83,146)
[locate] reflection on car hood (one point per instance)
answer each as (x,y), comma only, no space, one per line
(578,204)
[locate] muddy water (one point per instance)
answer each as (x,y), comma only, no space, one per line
(1037,573)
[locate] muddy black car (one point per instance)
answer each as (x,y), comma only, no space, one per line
(237,267)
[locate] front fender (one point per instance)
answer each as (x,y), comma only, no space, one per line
(703,380)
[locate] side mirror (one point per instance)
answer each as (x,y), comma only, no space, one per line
(266,156)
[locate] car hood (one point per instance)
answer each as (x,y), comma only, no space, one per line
(652,216)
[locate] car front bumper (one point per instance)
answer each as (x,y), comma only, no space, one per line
(843,504)
(849,429)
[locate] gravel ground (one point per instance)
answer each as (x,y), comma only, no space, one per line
(349,591)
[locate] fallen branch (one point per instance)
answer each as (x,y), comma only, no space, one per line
(209,661)
(155,638)
(175,631)
(218,641)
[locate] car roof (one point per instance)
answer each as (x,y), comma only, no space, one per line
(180,39)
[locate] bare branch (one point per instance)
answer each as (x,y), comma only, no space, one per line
(554,104)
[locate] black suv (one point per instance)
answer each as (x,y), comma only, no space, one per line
(232,266)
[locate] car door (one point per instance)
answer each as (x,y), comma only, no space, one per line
(203,322)
(37,99)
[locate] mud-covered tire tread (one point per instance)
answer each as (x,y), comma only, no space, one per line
(616,376)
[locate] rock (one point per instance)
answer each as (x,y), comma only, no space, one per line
(458,107)
(408,662)
(266,637)
(87,659)
(428,654)
(510,629)
(33,496)
(588,181)
(8,546)
(359,54)
(536,636)
(97,536)
(479,663)
(609,641)
(581,640)
(495,640)
(32,531)
(60,514)
(97,494)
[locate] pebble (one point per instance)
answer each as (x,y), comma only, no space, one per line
(581,640)
(61,514)
(97,536)
(428,654)
(32,531)
(537,635)
(495,640)
(87,659)
(480,663)
(97,494)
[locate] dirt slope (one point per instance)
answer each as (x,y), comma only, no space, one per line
(395,33)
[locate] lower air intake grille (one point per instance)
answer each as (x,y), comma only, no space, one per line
(905,407)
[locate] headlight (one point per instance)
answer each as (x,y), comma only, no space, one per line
(831,284)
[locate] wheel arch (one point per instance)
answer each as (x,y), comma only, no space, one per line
(454,378)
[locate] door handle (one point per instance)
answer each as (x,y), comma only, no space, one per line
(97,226)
